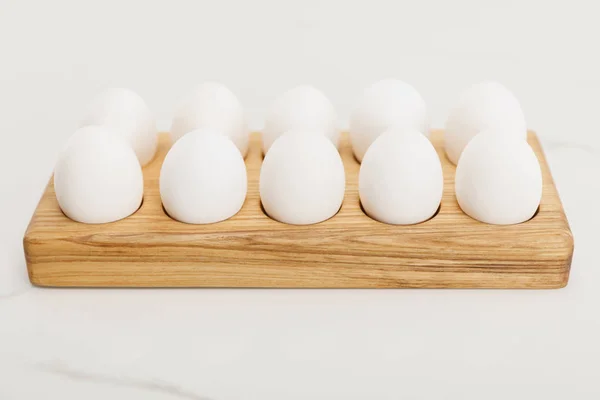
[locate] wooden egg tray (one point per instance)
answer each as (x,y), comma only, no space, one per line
(350,250)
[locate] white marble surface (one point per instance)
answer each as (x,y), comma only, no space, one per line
(298,344)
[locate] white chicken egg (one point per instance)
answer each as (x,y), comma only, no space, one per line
(401,180)
(386,104)
(125,112)
(212,105)
(302,179)
(483,106)
(98,178)
(498,179)
(203,178)
(305,109)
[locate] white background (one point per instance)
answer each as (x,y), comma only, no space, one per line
(252,344)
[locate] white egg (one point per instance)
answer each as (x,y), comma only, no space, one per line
(305,109)
(401,180)
(98,178)
(498,179)
(483,106)
(125,112)
(386,104)
(212,105)
(203,178)
(302,179)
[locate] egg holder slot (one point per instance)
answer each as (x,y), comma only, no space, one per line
(350,250)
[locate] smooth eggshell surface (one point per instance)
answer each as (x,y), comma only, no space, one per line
(305,109)
(401,180)
(302,179)
(212,105)
(203,178)
(482,107)
(498,179)
(125,112)
(386,104)
(98,178)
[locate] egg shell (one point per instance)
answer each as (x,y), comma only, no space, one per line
(302,179)
(212,105)
(203,178)
(482,107)
(125,112)
(305,109)
(498,179)
(386,104)
(400,179)
(98,177)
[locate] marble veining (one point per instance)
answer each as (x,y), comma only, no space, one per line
(153,385)
(549,145)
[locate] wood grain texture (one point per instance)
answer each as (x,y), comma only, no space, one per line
(350,250)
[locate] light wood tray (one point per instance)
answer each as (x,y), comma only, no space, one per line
(350,250)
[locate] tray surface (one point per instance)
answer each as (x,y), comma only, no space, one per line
(350,250)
